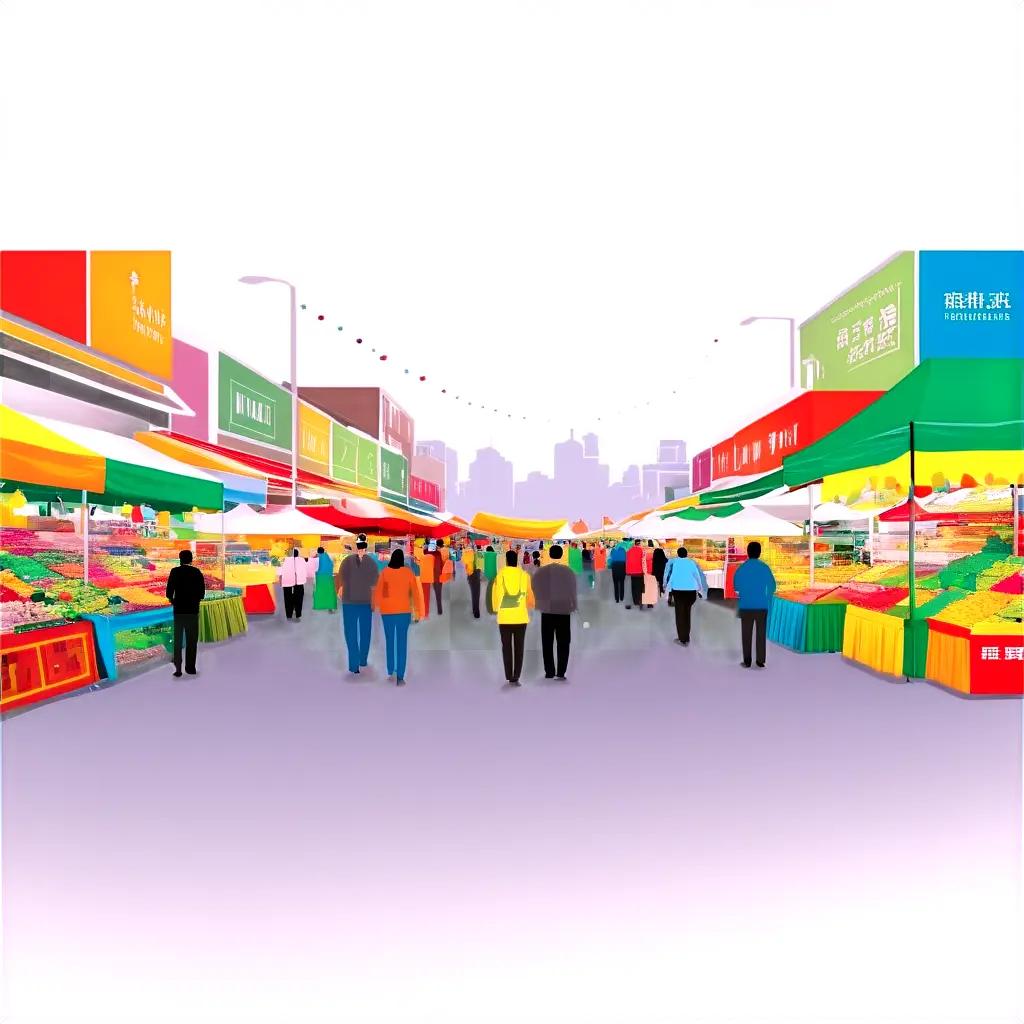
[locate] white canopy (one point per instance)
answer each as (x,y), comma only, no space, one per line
(566,533)
(836,512)
(290,522)
(751,522)
(793,506)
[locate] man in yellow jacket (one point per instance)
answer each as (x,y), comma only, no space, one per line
(513,599)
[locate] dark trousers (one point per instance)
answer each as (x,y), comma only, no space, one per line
(683,602)
(659,575)
(619,581)
(437,597)
(636,586)
(293,601)
(747,622)
(474,592)
(555,628)
(513,640)
(186,630)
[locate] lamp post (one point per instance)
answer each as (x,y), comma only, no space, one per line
(294,378)
(792,340)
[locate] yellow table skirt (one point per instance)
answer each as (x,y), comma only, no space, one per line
(949,660)
(220,619)
(249,575)
(874,639)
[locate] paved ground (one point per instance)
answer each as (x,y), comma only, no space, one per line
(666,837)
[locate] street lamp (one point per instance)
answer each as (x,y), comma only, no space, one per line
(792,341)
(294,379)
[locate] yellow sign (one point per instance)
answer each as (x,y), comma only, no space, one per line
(315,438)
(130,309)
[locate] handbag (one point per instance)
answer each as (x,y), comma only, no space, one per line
(509,600)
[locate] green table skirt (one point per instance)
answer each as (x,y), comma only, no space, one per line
(808,628)
(220,619)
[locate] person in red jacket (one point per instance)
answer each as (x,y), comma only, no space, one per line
(636,568)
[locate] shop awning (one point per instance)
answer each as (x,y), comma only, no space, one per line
(33,454)
(134,473)
(752,487)
(517,529)
(366,515)
(732,521)
(246,521)
(956,405)
(901,514)
(242,484)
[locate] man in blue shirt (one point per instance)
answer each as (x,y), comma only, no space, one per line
(617,566)
(755,584)
(684,580)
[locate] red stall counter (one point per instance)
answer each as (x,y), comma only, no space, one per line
(42,663)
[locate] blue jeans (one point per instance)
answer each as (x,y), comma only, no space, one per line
(356,620)
(396,641)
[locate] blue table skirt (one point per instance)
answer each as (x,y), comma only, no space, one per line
(106,626)
(787,624)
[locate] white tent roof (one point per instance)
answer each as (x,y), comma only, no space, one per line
(792,506)
(751,522)
(834,511)
(290,522)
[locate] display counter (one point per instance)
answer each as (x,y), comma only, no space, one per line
(257,584)
(976,663)
(41,663)
(814,627)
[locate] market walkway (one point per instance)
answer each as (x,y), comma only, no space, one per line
(667,835)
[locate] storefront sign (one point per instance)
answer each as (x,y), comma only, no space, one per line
(191,382)
(997,664)
(46,289)
(761,447)
(424,492)
(700,471)
(250,406)
(130,309)
(394,475)
(314,439)
(396,425)
(865,339)
(972,304)
(344,454)
(367,454)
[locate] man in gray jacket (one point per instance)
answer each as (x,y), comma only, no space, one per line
(355,582)
(554,590)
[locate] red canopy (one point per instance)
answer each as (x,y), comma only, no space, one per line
(901,514)
(364,516)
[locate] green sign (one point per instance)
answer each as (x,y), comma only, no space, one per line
(394,475)
(250,406)
(367,463)
(864,341)
(344,454)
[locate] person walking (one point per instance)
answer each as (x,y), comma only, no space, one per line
(555,592)
(399,598)
(325,597)
(355,582)
(293,572)
(658,562)
(617,565)
(684,581)
(428,574)
(513,599)
(755,583)
(472,562)
(186,588)
(587,554)
(490,574)
(575,559)
(636,569)
(443,572)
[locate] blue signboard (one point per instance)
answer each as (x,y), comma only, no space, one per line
(972,304)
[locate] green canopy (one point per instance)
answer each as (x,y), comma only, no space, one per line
(955,405)
(745,491)
(699,515)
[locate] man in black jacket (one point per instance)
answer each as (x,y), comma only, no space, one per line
(186,587)
(554,590)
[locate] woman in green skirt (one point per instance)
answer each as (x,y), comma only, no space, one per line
(325,596)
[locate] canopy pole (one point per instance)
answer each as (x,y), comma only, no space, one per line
(810,529)
(85,537)
(1016,521)
(913,521)
(871,539)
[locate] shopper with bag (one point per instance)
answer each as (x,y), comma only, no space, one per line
(399,597)
(293,573)
(513,599)
(684,582)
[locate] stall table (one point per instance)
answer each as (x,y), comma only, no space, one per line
(973,663)
(42,662)
(815,627)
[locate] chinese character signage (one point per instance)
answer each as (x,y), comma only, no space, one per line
(972,304)
(314,440)
(344,454)
(424,493)
(46,289)
(130,309)
(997,664)
(700,471)
(250,406)
(394,475)
(864,341)
(366,461)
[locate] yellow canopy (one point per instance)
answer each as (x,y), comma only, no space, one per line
(193,456)
(931,469)
(518,529)
(690,501)
(33,454)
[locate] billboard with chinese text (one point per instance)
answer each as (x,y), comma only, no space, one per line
(864,341)
(970,304)
(394,475)
(250,406)
(424,493)
(367,462)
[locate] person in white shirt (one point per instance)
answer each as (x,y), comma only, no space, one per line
(684,580)
(293,572)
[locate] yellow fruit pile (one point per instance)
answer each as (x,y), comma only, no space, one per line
(974,608)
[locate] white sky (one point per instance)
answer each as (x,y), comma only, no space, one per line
(553,205)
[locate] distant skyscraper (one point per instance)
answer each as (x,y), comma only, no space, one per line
(631,478)
(440,451)
(590,446)
(670,471)
(489,487)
